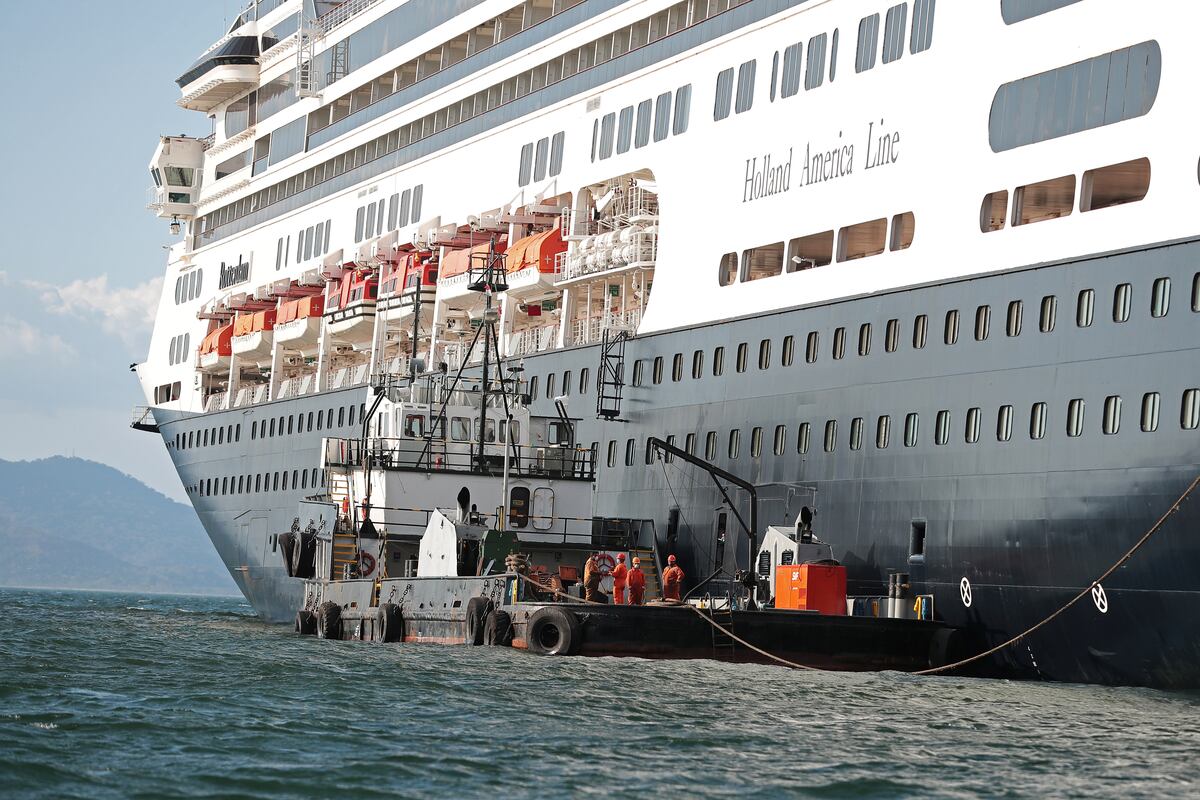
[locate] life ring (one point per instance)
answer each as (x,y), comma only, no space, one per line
(366,562)
(605,563)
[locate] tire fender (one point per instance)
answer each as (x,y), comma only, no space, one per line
(329,620)
(306,622)
(389,623)
(478,609)
(497,629)
(553,631)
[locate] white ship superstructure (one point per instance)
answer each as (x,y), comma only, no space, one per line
(935,260)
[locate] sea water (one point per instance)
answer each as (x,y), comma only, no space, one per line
(126,695)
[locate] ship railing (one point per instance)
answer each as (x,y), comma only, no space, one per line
(435,455)
(619,249)
(215,401)
(533,340)
(345,377)
(590,330)
(412,522)
(343,14)
(142,419)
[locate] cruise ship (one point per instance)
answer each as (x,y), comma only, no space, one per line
(931,269)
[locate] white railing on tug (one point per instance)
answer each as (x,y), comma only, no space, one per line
(343,13)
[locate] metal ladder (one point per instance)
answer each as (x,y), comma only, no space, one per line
(611,378)
(649,568)
(306,62)
(722,643)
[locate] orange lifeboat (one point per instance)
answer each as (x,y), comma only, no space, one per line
(252,336)
(298,324)
(352,316)
(413,272)
(216,349)
(538,251)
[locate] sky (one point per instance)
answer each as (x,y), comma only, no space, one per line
(85,97)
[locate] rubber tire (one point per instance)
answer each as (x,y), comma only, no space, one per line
(477,610)
(306,623)
(389,623)
(329,620)
(498,629)
(287,546)
(553,632)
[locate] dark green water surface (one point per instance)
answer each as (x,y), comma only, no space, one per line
(110,695)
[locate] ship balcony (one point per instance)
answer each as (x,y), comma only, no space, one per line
(224,72)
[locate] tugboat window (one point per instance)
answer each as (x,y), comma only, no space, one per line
(518,507)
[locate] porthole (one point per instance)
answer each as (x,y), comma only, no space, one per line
(1075,410)
(830,435)
(780,439)
(1160,297)
(1085,308)
(950,333)
(1004,424)
(1150,406)
(856,432)
(920,331)
(735,443)
(839,343)
(891,336)
(883,429)
(1037,421)
(811,347)
(971,434)
(1122,301)
(910,430)
(1016,312)
(1112,414)
(941,434)
(802,437)
(1189,411)
(1048,313)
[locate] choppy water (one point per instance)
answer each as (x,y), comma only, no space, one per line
(109,695)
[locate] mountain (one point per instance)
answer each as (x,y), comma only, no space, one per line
(72,523)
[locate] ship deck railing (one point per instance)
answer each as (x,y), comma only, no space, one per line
(434,455)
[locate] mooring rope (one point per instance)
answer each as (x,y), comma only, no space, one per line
(1083,593)
(991,651)
(946,667)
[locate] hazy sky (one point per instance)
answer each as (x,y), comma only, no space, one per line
(85,95)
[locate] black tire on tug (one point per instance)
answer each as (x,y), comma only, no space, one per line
(477,610)
(389,623)
(553,632)
(329,620)
(497,629)
(306,622)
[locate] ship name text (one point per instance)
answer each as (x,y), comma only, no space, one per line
(232,274)
(767,175)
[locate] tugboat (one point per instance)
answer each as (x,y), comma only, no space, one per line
(379,568)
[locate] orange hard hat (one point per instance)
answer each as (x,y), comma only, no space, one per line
(620,556)
(636,561)
(671,559)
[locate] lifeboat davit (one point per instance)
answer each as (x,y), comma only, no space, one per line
(298,324)
(217,349)
(252,336)
(350,306)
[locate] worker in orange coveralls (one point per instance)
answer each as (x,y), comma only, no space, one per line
(637,583)
(619,573)
(672,580)
(591,580)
